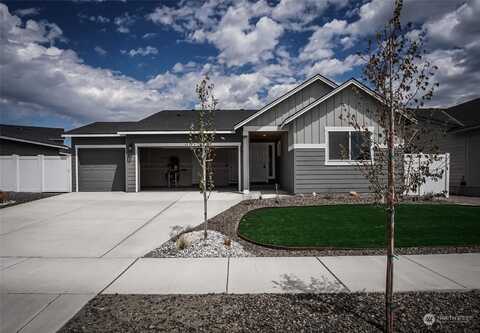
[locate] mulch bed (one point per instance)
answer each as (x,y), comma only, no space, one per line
(358,312)
(227,223)
(22,197)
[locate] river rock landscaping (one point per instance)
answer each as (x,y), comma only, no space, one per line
(340,312)
(193,245)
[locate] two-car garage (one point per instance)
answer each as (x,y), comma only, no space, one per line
(101,169)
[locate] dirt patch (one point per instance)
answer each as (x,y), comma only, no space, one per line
(358,312)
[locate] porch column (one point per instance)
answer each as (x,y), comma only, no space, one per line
(246,162)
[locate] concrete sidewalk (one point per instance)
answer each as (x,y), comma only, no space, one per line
(297,274)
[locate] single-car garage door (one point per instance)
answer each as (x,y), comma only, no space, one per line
(101,169)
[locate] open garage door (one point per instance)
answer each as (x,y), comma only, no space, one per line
(172,167)
(101,170)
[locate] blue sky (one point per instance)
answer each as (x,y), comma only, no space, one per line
(67,63)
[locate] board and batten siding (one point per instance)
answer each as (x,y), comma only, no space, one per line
(312,175)
(277,114)
(309,128)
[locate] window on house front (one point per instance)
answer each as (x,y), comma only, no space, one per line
(348,146)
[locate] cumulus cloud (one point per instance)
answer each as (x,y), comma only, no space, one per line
(124,22)
(27,12)
(97,19)
(101,51)
(49,80)
(141,51)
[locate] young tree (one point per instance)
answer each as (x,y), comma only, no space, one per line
(396,69)
(201,138)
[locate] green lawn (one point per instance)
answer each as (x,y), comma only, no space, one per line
(363,226)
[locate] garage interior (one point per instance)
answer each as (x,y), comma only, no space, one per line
(163,168)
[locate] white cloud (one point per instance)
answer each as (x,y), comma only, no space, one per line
(241,43)
(124,22)
(52,81)
(332,67)
(97,19)
(141,51)
(242,31)
(149,35)
(101,51)
(27,12)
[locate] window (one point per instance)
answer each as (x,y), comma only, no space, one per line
(348,145)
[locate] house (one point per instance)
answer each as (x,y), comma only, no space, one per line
(31,141)
(462,142)
(293,141)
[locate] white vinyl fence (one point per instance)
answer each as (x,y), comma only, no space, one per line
(440,164)
(35,173)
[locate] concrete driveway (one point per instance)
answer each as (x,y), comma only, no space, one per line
(57,253)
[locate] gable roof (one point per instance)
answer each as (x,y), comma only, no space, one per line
(44,136)
(163,122)
(335,91)
(280,99)
(467,114)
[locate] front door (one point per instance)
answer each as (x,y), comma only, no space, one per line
(259,162)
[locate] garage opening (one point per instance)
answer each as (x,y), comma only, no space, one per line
(101,170)
(177,168)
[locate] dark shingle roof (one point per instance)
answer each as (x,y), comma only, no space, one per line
(100,127)
(467,113)
(45,135)
(167,120)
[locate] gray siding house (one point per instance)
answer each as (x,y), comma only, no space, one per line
(462,141)
(31,141)
(292,141)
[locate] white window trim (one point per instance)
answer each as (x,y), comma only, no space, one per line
(96,147)
(347,162)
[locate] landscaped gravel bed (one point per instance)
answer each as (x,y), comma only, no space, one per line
(360,312)
(213,246)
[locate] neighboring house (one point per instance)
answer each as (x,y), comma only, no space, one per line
(462,142)
(292,141)
(31,141)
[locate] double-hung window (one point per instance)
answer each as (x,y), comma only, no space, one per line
(348,145)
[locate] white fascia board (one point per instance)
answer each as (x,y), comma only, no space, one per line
(315,78)
(185,144)
(32,142)
(88,135)
(306,146)
(98,146)
(172,132)
(327,96)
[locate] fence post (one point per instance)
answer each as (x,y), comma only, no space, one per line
(16,158)
(41,159)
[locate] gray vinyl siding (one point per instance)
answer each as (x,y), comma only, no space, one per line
(309,128)
(286,166)
(277,114)
(464,150)
(312,175)
(8,147)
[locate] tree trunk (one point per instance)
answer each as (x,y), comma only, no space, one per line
(390,216)
(204,179)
